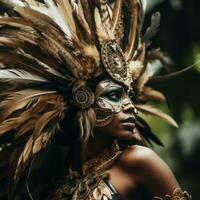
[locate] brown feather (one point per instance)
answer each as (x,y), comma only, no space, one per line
(105,15)
(117,22)
(88,10)
(156,112)
(133,29)
(65,8)
(170,75)
(153,94)
(19,100)
(116,13)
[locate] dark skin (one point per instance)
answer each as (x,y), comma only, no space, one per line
(137,165)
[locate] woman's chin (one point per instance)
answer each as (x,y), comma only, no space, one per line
(125,135)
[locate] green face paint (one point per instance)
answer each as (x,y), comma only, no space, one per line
(110,97)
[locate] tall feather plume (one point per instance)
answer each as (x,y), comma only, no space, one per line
(133,29)
(88,10)
(117,21)
(57,17)
(101,32)
(117,11)
(78,10)
(66,9)
(33,56)
(105,15)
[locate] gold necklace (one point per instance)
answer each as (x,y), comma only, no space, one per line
(103,160)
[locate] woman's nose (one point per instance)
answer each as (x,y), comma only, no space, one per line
(128,107)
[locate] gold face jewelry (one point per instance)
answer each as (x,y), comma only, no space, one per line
(114,62)
(83,97)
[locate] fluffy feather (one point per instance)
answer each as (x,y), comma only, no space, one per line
(153,29)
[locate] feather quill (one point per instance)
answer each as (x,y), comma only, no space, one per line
(116,14)
(133,29)
(20,99)
(14,74)
(156,112)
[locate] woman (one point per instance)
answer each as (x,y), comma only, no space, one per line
(73,76)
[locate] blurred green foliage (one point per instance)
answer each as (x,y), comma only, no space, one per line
(179,38)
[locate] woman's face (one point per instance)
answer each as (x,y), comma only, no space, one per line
(115,111)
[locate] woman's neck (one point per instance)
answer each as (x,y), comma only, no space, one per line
(100,155)
(96,146)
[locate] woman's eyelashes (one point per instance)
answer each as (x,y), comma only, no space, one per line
(114,94)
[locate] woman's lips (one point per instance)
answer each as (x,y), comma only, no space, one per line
(128,123)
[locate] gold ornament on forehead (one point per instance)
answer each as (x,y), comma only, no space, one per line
(115,63)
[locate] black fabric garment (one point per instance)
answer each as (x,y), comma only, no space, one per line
(115,193)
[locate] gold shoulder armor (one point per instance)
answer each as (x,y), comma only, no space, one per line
(178,194)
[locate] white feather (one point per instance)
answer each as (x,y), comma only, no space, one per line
(35,5)
(57,17)
(13,3)
(74,5)
(77,7)
(144,5)
(153,68)
(13,74)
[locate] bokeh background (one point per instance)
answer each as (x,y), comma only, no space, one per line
(179,38)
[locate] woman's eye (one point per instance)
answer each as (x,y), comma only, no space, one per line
(114,96)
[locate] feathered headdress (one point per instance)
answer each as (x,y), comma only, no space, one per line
(49,51)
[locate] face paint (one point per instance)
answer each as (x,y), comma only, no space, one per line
(110,99)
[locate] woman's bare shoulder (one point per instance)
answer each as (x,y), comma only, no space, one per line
(149,169)
(137,156)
